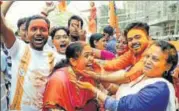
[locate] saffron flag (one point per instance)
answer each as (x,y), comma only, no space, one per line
(113,19)
(62,5)
(176,44)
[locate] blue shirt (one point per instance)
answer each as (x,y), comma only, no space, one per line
(111,45)
(7,59)
(153,97)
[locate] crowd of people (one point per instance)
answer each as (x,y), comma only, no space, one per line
(46,68)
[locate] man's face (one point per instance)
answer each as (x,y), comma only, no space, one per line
(38,33)
(74,26)
(61,40)
(22,32)
(137,40)
(106,36)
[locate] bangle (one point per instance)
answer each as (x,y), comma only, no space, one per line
(43,13)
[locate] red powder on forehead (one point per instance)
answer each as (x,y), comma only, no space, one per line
(39,23)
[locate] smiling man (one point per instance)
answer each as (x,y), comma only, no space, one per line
(29,61)
(138,40)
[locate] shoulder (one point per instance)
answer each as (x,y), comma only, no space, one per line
(153,97)
(58,74)
(156,90)
(158,86)
(58,57)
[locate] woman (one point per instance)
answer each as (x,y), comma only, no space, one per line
(92,19)
(150,92)
(60,38)
(60,92)
(121,45)
(98,43)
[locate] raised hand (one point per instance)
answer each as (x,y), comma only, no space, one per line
(81,32)
(50,6)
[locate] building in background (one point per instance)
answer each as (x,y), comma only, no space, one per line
(162,16)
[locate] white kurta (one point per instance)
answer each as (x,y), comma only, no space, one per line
(37,72)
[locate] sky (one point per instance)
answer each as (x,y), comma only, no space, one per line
(21,9)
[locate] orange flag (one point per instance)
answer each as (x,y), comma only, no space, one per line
(176,44)
(62,5)
(113,19)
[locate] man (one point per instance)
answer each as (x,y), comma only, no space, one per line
(111,40)
(60,39)
(32,63)
(138,40)
(21,29)
(75,25)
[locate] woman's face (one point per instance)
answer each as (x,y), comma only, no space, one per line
(155,62)
(101,44)
(121,46)
(61,41)
(85,60)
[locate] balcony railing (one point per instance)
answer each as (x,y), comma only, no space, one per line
(166,37)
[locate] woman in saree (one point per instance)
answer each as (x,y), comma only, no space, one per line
(60,92)
(152,91)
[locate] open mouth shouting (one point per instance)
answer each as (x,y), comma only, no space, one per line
(39,41)
(62,47)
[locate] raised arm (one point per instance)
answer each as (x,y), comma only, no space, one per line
(7,34)
(119,63)
(5,7)
(150,98)
(49,7)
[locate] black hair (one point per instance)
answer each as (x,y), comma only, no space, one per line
(55,29)
(34,17)
(21,21)
(109,30)
(140,25)
(93,37)
(75,17)
(172,59)
(73,51)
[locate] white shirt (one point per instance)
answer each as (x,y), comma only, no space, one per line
(38,67)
